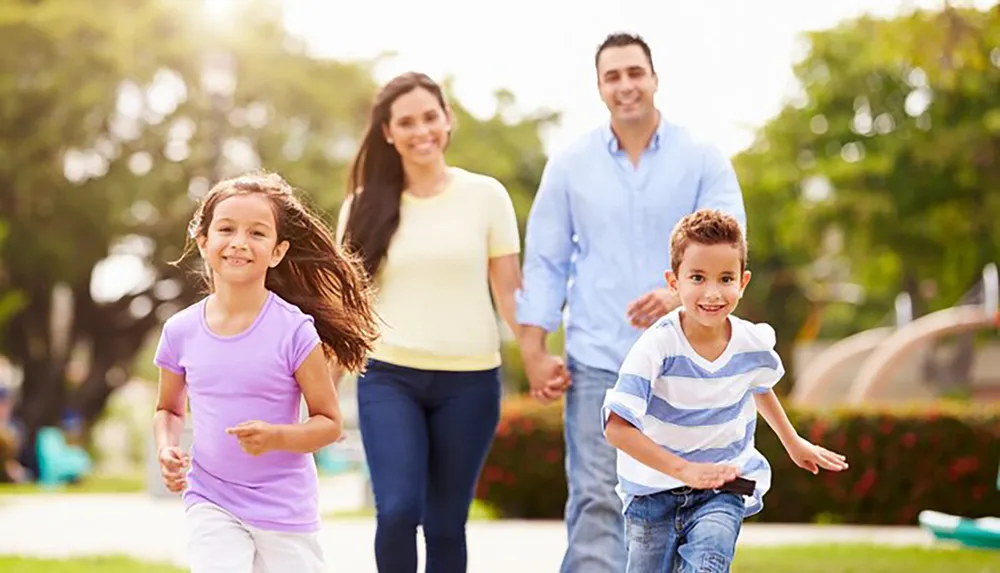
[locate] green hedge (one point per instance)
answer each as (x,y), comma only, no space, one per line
(903,460)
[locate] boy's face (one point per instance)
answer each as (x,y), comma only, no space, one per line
(709,282)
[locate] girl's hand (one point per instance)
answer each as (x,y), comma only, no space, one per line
(173,462)
(811,457)
(256,437)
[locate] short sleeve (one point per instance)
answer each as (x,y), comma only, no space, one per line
(166,356)
(504,237)
(770,370)
(633,391)
(304,340)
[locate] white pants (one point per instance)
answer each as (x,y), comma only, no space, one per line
(218,542)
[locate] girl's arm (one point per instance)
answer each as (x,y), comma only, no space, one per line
(168,421)
(325,423)
(505,280)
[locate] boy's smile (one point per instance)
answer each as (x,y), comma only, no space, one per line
(709,282)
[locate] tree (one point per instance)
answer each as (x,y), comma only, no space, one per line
(507,146)
(118,116)
(10,299)
(883,172)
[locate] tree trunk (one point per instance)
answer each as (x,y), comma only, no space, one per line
(43,389)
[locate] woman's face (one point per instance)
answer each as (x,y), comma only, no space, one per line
(418,127)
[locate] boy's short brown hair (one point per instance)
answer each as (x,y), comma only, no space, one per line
(706,227)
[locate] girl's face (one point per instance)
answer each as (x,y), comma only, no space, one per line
(242,240)
(418,127)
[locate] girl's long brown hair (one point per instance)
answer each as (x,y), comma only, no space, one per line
(324,281)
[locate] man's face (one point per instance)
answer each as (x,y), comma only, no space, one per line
(627,83)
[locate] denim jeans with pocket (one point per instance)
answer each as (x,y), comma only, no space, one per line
(683,530)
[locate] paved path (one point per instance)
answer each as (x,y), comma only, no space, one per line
(152,528)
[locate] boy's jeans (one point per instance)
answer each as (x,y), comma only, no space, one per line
(685,530)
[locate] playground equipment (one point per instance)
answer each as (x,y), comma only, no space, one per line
(59,462)
(880,365)
(825,368)
(883,349)
(983,533)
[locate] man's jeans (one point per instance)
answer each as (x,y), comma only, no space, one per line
(683,530)
(594,521)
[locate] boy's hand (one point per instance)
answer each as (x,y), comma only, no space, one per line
(256,437)
(811,457)
(173,462)
(706,476)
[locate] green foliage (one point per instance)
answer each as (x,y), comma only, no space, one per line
(891,150)
(118,120)
(857,558)
(902,460)
(503,147)
(10,300)
(524,475)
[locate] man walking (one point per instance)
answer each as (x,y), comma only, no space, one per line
(598,240)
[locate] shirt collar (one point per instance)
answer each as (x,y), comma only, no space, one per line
(611,140)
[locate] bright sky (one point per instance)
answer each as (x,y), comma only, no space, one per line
(724,65)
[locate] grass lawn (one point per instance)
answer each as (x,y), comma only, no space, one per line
(95,484)
(479,511)
(89,565)
(864,559)
(805,559)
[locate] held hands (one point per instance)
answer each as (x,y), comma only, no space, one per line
(173,463)
(811,457)
(650,307)
(706,476)
(256,437)
(547,375)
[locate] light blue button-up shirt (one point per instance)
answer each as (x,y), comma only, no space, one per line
(598,235)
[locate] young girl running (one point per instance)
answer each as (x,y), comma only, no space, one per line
(284,300)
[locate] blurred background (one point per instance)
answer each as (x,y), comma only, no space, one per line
(865,134)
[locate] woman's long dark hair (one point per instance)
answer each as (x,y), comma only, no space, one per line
(378,172)
(316,275)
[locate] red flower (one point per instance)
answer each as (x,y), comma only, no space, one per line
(817,431)
(551,456)
(886,426)
(866,482)
(867,444)
(909,439)
(492,474)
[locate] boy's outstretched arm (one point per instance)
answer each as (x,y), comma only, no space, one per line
(805,454)
(624,436)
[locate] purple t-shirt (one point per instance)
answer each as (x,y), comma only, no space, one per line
(232,379)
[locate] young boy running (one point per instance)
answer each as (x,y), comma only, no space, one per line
(684,410)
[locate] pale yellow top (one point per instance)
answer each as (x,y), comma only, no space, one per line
(433,294)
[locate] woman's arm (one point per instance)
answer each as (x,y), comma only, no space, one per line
(505,280)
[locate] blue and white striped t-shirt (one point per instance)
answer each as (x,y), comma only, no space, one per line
(700,410)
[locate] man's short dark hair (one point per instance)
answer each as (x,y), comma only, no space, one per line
(622,39)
